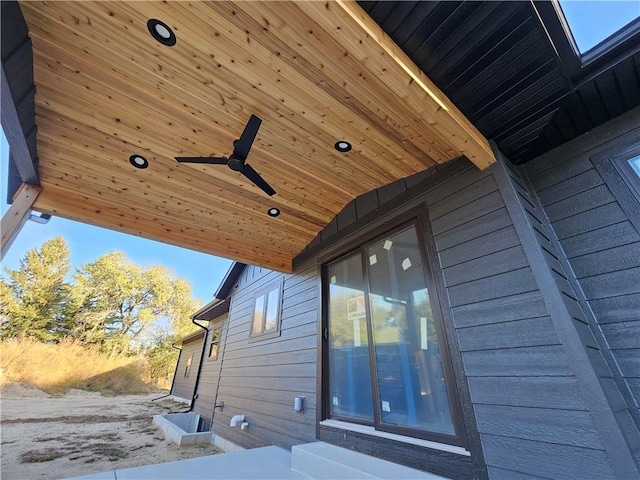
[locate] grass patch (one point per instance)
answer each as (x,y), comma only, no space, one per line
(112,452)
(50,439)
(57,368)
(37,456)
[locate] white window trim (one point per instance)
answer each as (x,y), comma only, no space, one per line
(367,430)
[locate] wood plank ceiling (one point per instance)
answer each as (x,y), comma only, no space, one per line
(314,72)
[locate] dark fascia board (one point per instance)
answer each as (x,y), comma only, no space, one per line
(229,280)
(17,44)
(24,163)
(192,336)
(212,310)
(220,303)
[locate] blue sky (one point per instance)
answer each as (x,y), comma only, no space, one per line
(591,21)
(87,243)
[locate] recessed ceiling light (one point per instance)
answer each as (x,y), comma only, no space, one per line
(161,32)
(342,146)
(138,161)
(273,212)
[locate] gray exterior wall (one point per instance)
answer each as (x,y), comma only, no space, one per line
(260,379)
(545,362)
(534,393)
(210,372)
(183,386)
(596,223)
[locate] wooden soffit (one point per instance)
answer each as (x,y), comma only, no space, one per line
(314,72)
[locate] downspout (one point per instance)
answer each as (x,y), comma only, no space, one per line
(204,348)
(224,347)
(173,381)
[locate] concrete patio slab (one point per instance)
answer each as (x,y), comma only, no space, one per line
(258,463)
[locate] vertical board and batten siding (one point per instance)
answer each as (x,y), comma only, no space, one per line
(532,417)
(260,379)
(183,387)
(210,372)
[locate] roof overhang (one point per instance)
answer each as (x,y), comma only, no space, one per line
(212,310)
(191,337)
(314,72)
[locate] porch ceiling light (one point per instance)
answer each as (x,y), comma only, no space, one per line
(138,161)
(273,212)
(161,32)
(342,146)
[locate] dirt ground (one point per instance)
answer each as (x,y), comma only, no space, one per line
(45,437)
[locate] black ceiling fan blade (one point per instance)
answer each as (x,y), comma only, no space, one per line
(242,147)
(255,177)
(209,160)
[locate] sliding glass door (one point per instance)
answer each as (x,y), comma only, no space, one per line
(387,363)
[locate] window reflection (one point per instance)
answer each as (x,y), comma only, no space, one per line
(350,374)
(411,381)
(391,305)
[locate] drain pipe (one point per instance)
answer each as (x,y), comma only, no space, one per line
(204,348)
(173,381)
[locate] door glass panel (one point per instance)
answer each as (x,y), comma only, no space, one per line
(411,384)
(349,367)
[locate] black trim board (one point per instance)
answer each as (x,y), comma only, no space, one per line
(474,444)
(603,417)
(16,136)
(17,96)
(449,465)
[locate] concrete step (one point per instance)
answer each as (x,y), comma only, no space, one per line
(322,461)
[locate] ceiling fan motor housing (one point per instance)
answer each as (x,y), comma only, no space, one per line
(235,164)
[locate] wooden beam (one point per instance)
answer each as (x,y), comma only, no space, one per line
(17,215)
(15,135)
(470,141)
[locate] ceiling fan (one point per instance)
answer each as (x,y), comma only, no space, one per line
(237,159)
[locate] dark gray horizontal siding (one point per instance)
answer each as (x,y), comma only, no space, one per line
(550,461)
(561,427)
(477,247)
(513,359)
(261,378)
(502,309)
(529,332)
(607,261)
(504,474)
(547,361)
(599,239)
(561,393)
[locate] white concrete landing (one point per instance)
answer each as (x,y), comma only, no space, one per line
(258,463)
(317,460)
(322,461)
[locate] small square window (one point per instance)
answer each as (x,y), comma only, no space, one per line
(266,312)
(187,369)
(214,344)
